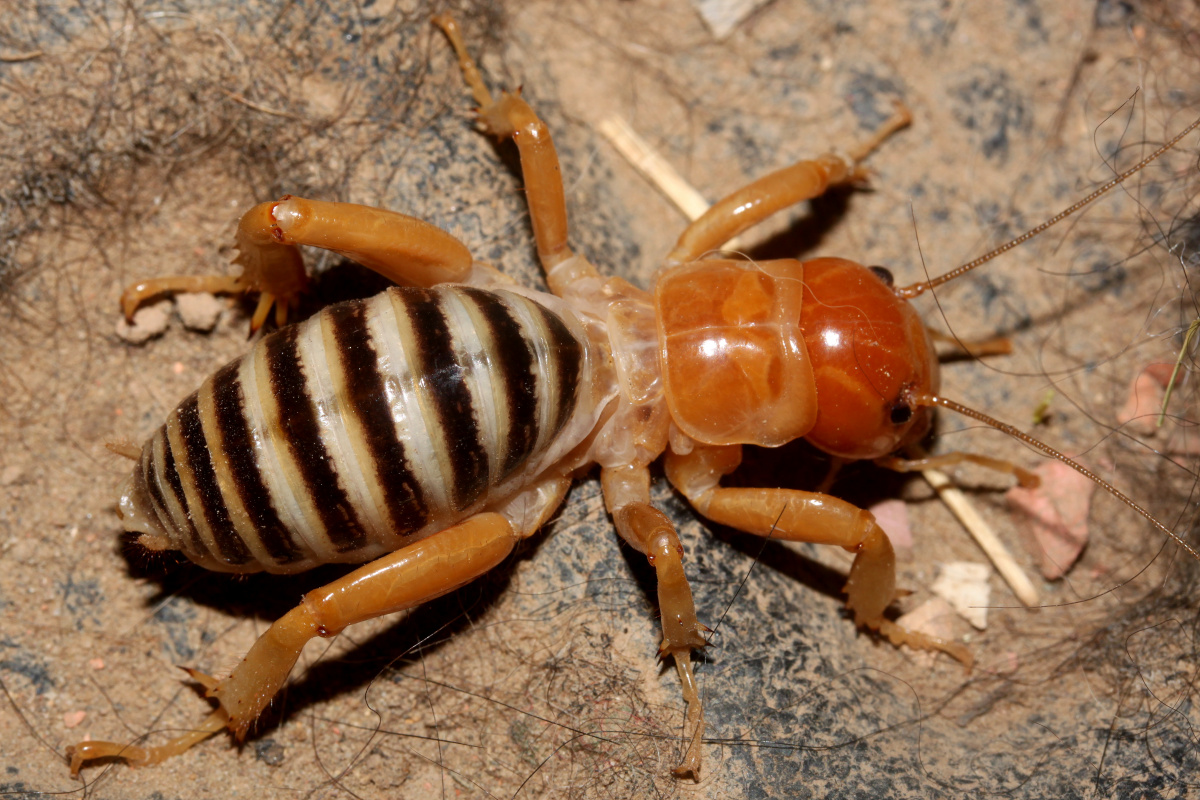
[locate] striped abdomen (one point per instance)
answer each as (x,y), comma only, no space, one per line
(348,435)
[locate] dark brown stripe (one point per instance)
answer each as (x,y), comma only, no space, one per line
(298,419)
(444,377)
(171,475)
(229,408)
(367,401)
(514,359)
(230,547)
(567,353)
(150,479)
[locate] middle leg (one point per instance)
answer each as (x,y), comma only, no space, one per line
(647,530)
(801,181)
(511,116)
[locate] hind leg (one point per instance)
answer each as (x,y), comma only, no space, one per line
(399,247)
(403,579)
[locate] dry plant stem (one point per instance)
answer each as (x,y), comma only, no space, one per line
(980,531)
(19,57)
(993,346)
(678,191)
(1183,350)
(656,170)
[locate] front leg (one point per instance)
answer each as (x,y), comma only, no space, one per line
(403,579)
(797,516)
(801,181)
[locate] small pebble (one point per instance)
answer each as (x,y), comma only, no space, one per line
(723,16)
(934,617)
(198,310)
(10,475)
(1053,517)
(892,516)
(72,718)
(964,585)
(148,322)
(269,751)
(1144,402)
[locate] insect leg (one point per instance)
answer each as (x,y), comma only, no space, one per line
(401,248)
(647,530)
(511,116)
(973,348)
(138,293)
(402,579)
(798,516)
(752,204)
(269,266)
(1023,476)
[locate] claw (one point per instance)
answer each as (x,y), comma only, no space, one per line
(690,765)
(265,301)
(207,681)
(136,756)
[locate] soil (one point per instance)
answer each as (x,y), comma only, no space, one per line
(133,136)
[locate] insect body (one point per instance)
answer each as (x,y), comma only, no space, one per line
(362,429)
(428,429)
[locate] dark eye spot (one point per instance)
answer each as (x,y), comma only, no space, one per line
(901,413)
(884,274)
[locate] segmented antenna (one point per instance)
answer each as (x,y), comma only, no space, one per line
(928,400)
(909,292)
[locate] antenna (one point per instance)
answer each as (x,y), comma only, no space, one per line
(929,400)
(909,292)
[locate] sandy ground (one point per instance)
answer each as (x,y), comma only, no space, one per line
(141,134)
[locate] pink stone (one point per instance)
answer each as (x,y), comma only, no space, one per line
(1053,518)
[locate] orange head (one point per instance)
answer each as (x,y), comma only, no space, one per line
(870,354)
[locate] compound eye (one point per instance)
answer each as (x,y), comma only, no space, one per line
(884,274)
(901,413)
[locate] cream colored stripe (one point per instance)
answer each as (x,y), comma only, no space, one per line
(392,333)
(280,471)
(341,434)
(482,376)
(187,479)
(267,443)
